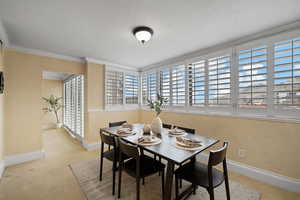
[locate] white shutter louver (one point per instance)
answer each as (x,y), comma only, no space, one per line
(287,73)
(253,77)
(219,80)
(131,89)
(114,88)
(178,85)
(144,89)
(196,78)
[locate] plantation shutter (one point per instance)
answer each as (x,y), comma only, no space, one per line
(131,89)
(253,77)
(219,80)
(196,80)
(114,88)
(165,83)
(286,81)
(178,85)
(152,85)
(144,89)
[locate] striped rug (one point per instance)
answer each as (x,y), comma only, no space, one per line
(87,175)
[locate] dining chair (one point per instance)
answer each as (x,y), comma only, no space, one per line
(139,166)
(206,175)
(188,130)
(168,126)
(113,124)
(111,155)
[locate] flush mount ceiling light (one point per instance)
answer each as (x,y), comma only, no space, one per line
(142,33)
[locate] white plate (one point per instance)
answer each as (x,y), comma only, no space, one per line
(154,142)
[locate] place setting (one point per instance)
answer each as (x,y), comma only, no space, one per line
(188,143)
(148,138)
(177,132)
(125,130)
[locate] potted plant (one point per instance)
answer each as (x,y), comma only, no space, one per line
(156,125)
(53,106)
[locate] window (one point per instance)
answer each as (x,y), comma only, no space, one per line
(131,89)
(219,80)
(73,104)
(253,77)
(257,79)
(287,73)
(178,85)
(165,83)
(196,83)
(114,88)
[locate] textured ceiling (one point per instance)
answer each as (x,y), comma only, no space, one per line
(101,29)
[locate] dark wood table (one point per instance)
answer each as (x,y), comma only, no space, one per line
(166,149)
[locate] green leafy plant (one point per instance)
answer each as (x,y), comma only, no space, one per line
(53,105)
(157,104)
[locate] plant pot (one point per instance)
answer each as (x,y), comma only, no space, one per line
(156,125)
(59,125)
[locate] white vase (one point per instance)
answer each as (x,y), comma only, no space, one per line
(156,125)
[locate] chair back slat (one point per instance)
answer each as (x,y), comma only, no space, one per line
(128,149)
(188,130)
(217,156)
(113,124)
(107,139)
(169,126)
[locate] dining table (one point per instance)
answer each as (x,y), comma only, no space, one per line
(167,149)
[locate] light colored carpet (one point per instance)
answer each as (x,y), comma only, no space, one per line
(87,174)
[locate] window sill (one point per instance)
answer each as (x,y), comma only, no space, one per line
(251,116)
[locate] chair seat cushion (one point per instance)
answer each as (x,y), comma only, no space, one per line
(148,166)
(110,155)
(197,173)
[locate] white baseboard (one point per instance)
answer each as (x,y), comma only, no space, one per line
(278,180)
(91,146)
(1,168)
(21,158)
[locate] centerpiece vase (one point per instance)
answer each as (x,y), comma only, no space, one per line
(156,125)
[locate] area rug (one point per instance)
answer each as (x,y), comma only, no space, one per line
(87,175)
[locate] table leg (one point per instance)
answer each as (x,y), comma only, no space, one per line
(169,180)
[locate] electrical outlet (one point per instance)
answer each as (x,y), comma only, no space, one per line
(241,153)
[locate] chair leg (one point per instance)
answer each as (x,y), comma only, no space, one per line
(176,187)
(143,181)
(226,180)
(101,162)
(163,182)
(120,180)
(114,178)
(211,193)
(137,188)
(194,189)
(180,181)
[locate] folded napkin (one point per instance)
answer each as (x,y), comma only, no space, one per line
(188,142)
(124,131)
(146,139)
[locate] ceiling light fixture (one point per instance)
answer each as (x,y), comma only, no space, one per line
(142,33)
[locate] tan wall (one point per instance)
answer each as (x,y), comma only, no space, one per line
(51,87)
(23,114)
(1,114)
(269,145)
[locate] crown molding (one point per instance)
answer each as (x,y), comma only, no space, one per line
(46,53)
(229,44)
(110,64)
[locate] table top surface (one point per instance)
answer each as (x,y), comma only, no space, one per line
(167,148)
